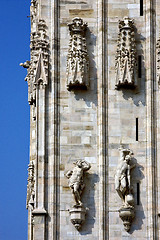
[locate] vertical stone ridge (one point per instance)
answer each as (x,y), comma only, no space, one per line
(55,121)
(103,118)
(158,119)
(105,121)
(41,48)
(154,126)
(151,120)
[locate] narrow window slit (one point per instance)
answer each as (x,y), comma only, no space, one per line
(141,7)
(138,194)
(139,66)
(136,129)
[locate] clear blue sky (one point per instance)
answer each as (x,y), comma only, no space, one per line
(14,118)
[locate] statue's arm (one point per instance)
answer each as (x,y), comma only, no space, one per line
(69,174)
(86,166)
(129,175)
(132,166)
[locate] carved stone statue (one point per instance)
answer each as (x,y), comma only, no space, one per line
(124,188)
(77,185)
(123,176)
(76,179)
(126,66)
(77,60)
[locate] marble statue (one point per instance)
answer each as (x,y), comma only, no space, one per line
(76,183)
(124,187)
(123,176)
(76,179)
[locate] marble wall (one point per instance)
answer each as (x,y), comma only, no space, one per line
(93,124)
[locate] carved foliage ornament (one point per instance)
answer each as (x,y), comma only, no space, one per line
(126,73)
(38,65)
(123,186)
(33,12)
(30,185)
(77,60)
(76,183)
(158,60)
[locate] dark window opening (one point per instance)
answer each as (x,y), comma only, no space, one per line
(139,66)
(141,7)
(138,193)
(136,129)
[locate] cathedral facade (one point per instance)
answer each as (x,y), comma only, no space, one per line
(94,94)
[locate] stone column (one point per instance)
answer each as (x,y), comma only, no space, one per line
(40,212)
(151,119)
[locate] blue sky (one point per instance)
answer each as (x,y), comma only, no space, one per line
(14,118)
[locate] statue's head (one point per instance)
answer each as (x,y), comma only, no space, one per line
(128,158)
(79,163)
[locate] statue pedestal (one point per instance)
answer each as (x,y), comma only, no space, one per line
(77,215)
(127,215)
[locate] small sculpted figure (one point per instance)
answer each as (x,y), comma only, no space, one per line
(76,182)
(123,177)
(124,188)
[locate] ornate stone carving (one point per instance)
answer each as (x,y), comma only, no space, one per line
(158,60)
(38,65)
(124,188)
(33,10)
(77,60)
(76,184)
(76,179)
(77,215)
(30,185)
(127,215)
(126,66)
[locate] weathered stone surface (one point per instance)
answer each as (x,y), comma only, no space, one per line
(91,125)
